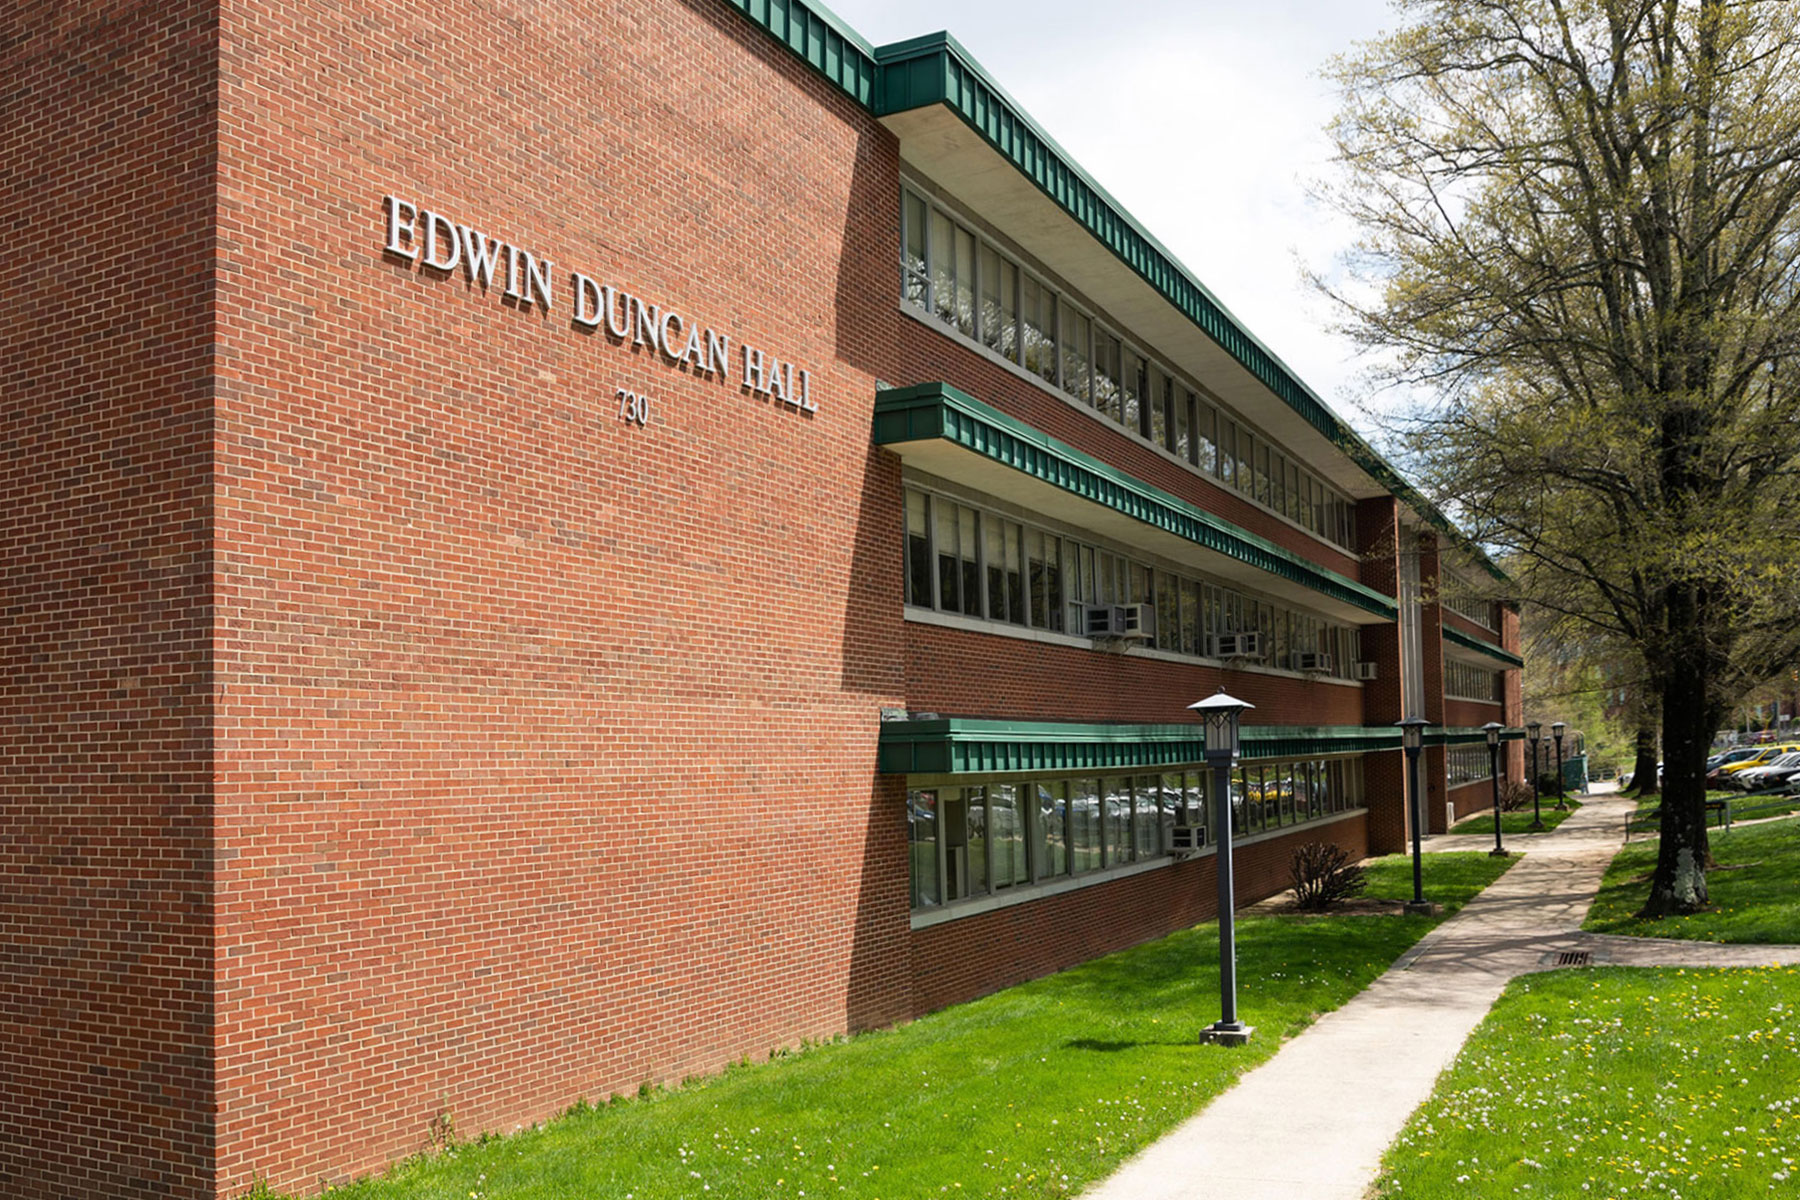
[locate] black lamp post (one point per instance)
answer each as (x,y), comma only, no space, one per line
(1221,713)
(1562,797)
(1536,730)
(1412,740)
(1492,729)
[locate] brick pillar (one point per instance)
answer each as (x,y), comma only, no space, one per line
(1516,755)
(1433,765)
(1384,774)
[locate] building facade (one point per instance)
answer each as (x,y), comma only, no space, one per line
(555,546)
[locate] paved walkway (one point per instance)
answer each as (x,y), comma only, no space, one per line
(1271,1138)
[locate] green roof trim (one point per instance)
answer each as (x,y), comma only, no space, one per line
(936,410)
(1471,642)
(936,69)
(1463,735)
(972,746)
(821,39)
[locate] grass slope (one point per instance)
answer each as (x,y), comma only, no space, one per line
(1613,1082)
(1032,1092)
(1752,889)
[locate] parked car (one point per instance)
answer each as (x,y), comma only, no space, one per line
(1762,756)
(1776,771)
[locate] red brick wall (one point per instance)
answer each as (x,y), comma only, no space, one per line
(1470,798)
(972,956)
(964,673)
(106,121)
(545,742)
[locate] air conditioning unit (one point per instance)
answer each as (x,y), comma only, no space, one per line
(1306,660)
(1135,622)
(1365,671)
(1234,645)
(1097,621)
(1187,839)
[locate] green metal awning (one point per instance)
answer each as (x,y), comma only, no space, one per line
(1484,648)
(952,434)
(974,746)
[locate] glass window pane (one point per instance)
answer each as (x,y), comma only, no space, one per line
(1006,836)
(921,836)
(1084,825)
(1106,375)
(1168,611)
(994,555)
(1192,640)
(968,526)
(975,803)
(954,829)
(965,281)
(918,550)
(943,267)
(1052,839)
(1196,783)
(949,566)
(1015,573)
(1118,820)
(1146,816)
(914,282)
(1162,427)
(1074,342)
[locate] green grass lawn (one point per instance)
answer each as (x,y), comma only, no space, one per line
(1518,821)
(1036,1091)
(1752,889)
(1612,1082)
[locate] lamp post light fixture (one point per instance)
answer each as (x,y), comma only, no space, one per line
(1492,729)
(1221,713)
(1412,740)
(1562,796)
(1536,730)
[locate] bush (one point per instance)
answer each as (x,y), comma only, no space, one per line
(1514,796)
(1323,875)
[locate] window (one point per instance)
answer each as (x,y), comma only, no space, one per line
(1469,682)
(1467,764)
(968,283)
(997,838)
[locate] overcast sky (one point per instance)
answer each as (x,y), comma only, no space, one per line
(1203,118)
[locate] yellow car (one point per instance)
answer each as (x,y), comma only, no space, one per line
(1761,758)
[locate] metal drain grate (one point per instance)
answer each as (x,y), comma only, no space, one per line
(1575,958)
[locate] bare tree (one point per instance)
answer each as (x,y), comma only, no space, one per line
(1581,221)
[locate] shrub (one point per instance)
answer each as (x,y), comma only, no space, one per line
(1514,796)
(1323,875)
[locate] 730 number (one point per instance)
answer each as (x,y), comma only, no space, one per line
(633,408)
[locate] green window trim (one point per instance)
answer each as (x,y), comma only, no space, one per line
(974,746)
(938,411)
(1470,642)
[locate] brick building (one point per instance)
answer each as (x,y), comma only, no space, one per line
(560,545)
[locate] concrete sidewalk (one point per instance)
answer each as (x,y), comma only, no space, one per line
(1277,1135)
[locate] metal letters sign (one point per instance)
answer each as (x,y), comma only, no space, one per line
(439,244)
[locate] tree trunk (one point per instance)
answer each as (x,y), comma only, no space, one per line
(1643,776)
(1679,884)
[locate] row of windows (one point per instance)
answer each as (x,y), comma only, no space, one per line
(985,840)
(964,280)
(961,559)
(1467,764)
(1462,600)
(1471,682)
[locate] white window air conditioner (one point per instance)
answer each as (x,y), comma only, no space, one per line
(1306,660)
(1136,621)
(1365,671)
(1097,621)
(1234,645)
(1187,839)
